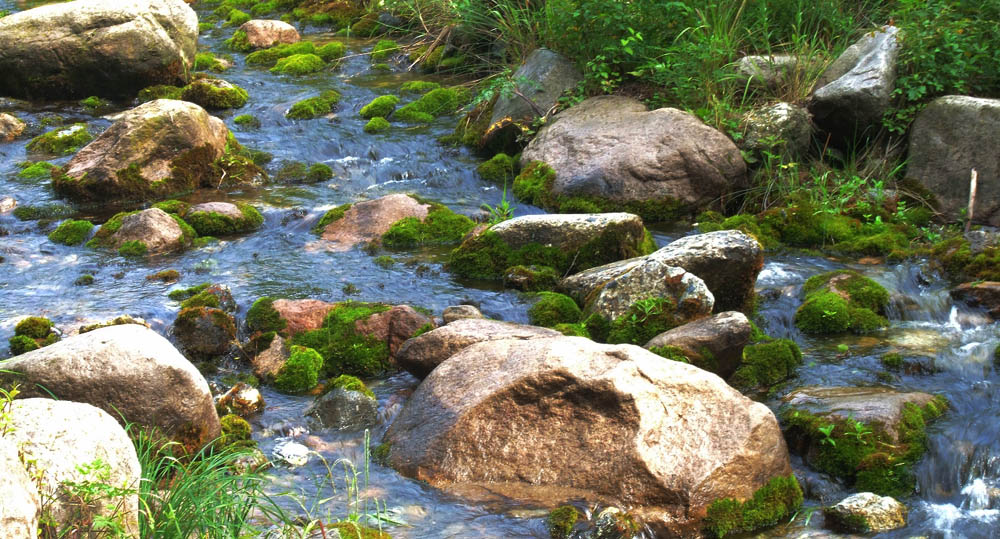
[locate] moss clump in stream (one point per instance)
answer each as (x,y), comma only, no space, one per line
(30,334)
(501,168)
(32,171)
(176,207)
(841,301)
(345,350)
(268,57)
(329,217)
(864,455)
(561,521)
(441,227)
(263,318)
(350,383)
(159,91)
(185,293)
(71,232)
(313,107)
(299,64)
(218,224)
(430,105)
(531,278)
(332,51)
(239,42)
(766,364)
(772,503)
(553,309)
(418,87)
(380,106)
(300,373)
(248,121)
(215,94)
(236,434)
(62,141)
(382,50)
(206,61)
(377,124)
(237,18)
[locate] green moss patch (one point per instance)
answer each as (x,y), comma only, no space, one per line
(176,207)
(441,227)
(382,50)
(62,141)
(268,57)
(264,318)
(644,320)
(531,278)
(766,364)
(418,87)
(185,293)
(553,309)
(215,94)
(239,42)
(71,232)
(380,106)
(134,248)
(330,216)
(332,51)
(313,107)
(776,501)
(500,168)
(217,224)
(956,257)
(165,276)
(377,124)
(237,18)
(33,171)
(561,521)
(863,454)
(159,91)
(206,61)
(299,64)
(300,373)
(247,120)
(236,434)
(350,383)
(344,349)
(30,334)
(430,105)
(841,301)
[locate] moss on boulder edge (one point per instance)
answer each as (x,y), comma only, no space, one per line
(223,218)
(344,349)
(777,500)
(441,227)
(840,301)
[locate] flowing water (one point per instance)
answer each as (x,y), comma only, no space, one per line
(957,478)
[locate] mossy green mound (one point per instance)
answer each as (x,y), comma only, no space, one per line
(218,224)
(133,248)
(314,106)
(247,120)
(185,293)
(236,434)
(159,91)
(367,25)
(841,301)
(300,373)
(30,334)
(383,49)
(561,521)
(418,87)
(237,18)
(441,227)
(500,168)
(269,56)
(239,42)
(264,318)
(377,124)
(43,211)
(330,216)
(380,106)
(351,383)
(531,278)
(62,141)
(644,320)
(430,105)
(71,232)
(206,61)
(215,94)
(177,207)
(33,171)
(766,364)
(956,256)
(553,309)
(299,64)
(332,51)
(776,501)
(93,103)
(344,349)
(864,455)
(84,280)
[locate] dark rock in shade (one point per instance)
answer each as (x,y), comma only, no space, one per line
(985,294)
(948,139)
(129,371)
(106,48)
(156,149)
(343,409)
(205,332)
(854,92)
(420,355)
(714,344)
(612,149)
(534,418)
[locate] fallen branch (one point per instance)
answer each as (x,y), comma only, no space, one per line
(972,200)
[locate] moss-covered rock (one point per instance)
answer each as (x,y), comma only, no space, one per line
(236,18)
(430,105)
(344,349)
(32,333)
(501,168)
(644,320)
(215,94)
(301,372)
(771,504)
(330,216)
(236,434)
(441,227)
(766,364)
(206,61)
(380,106)
(418,87)
(41,169)
(268,57)
(223,218)
(62,141)
(239,42)
(561,521)
(263,317)
(553,309)
(961,262)
(377,124)
(165,276)
(841,301)
(299,64)
(314,106)
(383,49)
(350,383)
(318,172)
(367,25)
(531,278)
(159,91)
(71,232)
(247,120)
(332,51)
(133,248)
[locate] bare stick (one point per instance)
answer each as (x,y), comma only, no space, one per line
(972,199)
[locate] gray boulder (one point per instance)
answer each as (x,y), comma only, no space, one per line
(264,33)
(949,138)
(865,512)
(612,148)
(714,344)
(854,92)
(543,78)
(771,71)
(64,440)
(96,47)
(728,261)
(782,129)
(20,506)
(129,371)
(343,409)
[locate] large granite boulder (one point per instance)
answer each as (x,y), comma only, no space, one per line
(855,91)
(96,47)
(129,371)
(264,33)
(420,355)
(948,139)
(612,149)
(727,260)
(714,344)
(549,419)
(65,440)
(570,232)
(367,221)
(20,506)
(159,148)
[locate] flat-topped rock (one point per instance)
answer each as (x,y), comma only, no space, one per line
(264,33)
(367,221)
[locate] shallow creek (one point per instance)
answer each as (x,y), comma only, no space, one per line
(283,259)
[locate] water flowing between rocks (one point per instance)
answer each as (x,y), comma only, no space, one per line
(957,478)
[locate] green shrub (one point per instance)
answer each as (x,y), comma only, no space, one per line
(71,232)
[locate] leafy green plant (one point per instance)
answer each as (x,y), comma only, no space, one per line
(83,499)
(827,431)
(502,211)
